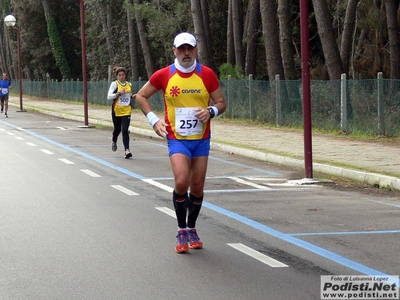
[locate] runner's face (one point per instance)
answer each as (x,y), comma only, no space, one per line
(186,55)
(4,76)
(121,76)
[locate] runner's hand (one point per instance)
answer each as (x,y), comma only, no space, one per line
(160,129)
(202,114)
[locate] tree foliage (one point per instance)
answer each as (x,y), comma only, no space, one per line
(358,37)
(55,42)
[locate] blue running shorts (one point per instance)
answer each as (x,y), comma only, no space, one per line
(190,148)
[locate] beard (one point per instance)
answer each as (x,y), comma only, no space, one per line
(186,62)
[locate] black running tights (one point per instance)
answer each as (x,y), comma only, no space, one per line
(121,124)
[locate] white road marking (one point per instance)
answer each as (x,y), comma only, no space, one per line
(261,178)
(19,138)
(46,151)
(272,187)
(68,162)
(90,173)
(288,184)
(10,133)
(269,187)
(124,190)
(159,185)
(167,211)
(231,191)
(257,255)
(261,187)
(31,144)
(62,128)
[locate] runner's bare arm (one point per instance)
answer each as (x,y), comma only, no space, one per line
(219,101)
(142,99)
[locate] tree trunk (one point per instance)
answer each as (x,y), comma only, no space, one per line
(394,41)
(271,39)
(199,28)
(357,54)
(144,42)
(285,37)
(132,43)
(4,42)
(3,50)
(108,32)
(347,35)
(288,90)
(230,49)
(237,21)
(251,38)
(333,62)
(207,30)
(347,44)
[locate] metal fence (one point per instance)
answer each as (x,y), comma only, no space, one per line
(370,106)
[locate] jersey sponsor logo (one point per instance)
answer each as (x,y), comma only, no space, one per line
(175,91)
(191,91)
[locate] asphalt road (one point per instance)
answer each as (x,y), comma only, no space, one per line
(79,221)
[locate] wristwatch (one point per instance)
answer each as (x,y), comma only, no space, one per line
(211,111)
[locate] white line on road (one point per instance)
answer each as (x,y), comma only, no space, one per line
(124,190)
(257,255)
(46,151)
(159,185)
(68,162)
(31,144)
(261,187)
(62,128)
(263,178)
(288,184)
(10,133)
(19,138)
(90,173)
(167,211)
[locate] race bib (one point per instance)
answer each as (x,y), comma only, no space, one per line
(124,99)
(4,91)
(186,123)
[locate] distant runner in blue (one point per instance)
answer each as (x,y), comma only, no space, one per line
(5,86)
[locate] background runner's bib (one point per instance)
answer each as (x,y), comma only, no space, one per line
(5,86)
(122,105)
(124,99)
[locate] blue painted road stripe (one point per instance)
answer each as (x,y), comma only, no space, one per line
(345,232)
(295,241)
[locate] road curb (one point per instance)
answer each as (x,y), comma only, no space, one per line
(374,179)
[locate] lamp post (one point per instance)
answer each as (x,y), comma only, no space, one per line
(305,49)
(84,71)
(10,22)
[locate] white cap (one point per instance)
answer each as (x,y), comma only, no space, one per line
(184,38)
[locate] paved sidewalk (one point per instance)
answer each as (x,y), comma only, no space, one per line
(367,162)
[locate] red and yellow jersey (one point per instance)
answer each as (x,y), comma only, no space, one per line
(122,104)
(183,93)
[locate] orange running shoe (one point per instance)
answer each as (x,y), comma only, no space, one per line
(182,241)
(194,240)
